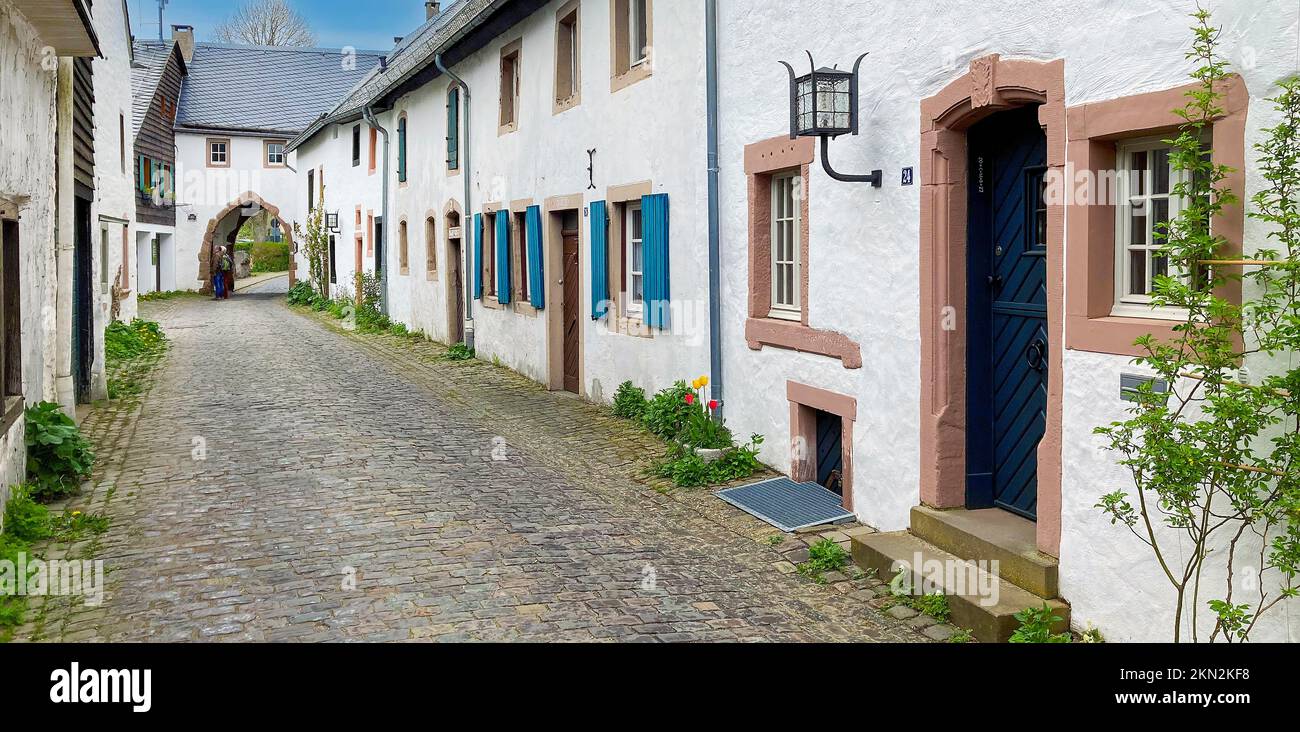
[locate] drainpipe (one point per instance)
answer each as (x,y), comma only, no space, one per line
(383,208)
(715,235)
(466,220)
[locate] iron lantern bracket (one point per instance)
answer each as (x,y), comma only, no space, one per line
(876,178)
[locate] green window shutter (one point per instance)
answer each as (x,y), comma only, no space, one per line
(401,150)
(503,257)
(599,260)
(536,283)
(478,256)
(654,211)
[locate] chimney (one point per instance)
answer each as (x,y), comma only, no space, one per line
(184,35)
(431,9)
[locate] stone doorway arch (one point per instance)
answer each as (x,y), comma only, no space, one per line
(253,203)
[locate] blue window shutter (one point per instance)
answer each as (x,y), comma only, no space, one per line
(654,212)
(401,150)
(599,259)
(478,256)
(503,257)
(536,283)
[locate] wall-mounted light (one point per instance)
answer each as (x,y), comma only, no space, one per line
(332,223)
(824,103)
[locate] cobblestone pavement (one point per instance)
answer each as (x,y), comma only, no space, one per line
(360,488)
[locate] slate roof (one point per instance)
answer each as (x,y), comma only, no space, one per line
(265,88)
(415,52)
(146,71)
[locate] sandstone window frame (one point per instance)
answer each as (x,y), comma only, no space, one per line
(623,320)
(511,75)
(218,152)
(431,245)
(488,254)
(1095,131)
(403,248)
(627,68)
(765,160)
(568,57)
(269,154)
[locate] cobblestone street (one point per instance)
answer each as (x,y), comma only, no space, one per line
(284,479)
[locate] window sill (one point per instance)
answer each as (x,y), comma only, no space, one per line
(564,105)
(623,80)
(1147,312)
(1114,335)
(770,332)
(793,316)
(509,129)
(431,275)
(404,272)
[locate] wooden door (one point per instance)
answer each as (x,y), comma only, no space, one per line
(572,323)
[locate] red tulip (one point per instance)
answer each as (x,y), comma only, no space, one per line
(713,405)
(690,398)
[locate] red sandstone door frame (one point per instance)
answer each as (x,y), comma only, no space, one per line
(991,85)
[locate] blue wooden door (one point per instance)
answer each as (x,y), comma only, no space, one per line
(1007,344)
(830,451)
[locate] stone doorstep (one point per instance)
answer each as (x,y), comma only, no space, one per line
(993,624)
(991,534)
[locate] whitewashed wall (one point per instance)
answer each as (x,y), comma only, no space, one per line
(27,91)
(650,131)
(864,242)
(205,192)
(114,171)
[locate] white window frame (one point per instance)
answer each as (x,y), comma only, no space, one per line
(633,211)
(271,154)
(637,50)
(786,215)
(225,153)
(1128,304)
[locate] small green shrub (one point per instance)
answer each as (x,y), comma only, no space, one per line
(459,352)
(668,411)
(269,256)
(1036,626)
(339,309)
(26,519)
(12,607)
(686,469)
(302,293)
(629,401)
(701,430)
(58,456)
(399,330)
(962,635)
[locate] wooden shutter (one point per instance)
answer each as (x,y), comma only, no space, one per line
(503,257)
(599,260)
(478,256)
(654,211)
(401,150)
(453,130)
(536,284)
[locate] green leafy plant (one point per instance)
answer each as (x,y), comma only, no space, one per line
(935,605)
(1215,463)
(58,456)
(302,293)
(686,469)
(76,525)
(168,295)
(123,341)
(629,401)
(459,352)
(962,635)
(25,519)
(1036,626)
(666,413)
(13,607)
(315,242)
(824,556)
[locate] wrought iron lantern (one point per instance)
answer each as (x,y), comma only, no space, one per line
(332,223)
(824,103)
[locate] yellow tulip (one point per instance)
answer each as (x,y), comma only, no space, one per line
(704,381)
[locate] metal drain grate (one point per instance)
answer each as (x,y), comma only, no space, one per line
(788,505)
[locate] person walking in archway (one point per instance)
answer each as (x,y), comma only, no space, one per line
(222,268)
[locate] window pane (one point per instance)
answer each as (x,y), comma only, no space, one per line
(1159,267)
(1139,173)
(636,223)
(1159,216)
(1139,227)
(1160,170)
(638,253)
(638,294)
(1138,272)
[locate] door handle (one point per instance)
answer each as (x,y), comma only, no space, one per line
(995,282)
(1036,355)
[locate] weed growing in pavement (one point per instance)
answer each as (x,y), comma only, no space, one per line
(59,457)
(1036,626)
(459,352)
(824,556)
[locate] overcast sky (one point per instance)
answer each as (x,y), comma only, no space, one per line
(362,24)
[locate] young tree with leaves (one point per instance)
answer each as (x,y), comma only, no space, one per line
(1213,460)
